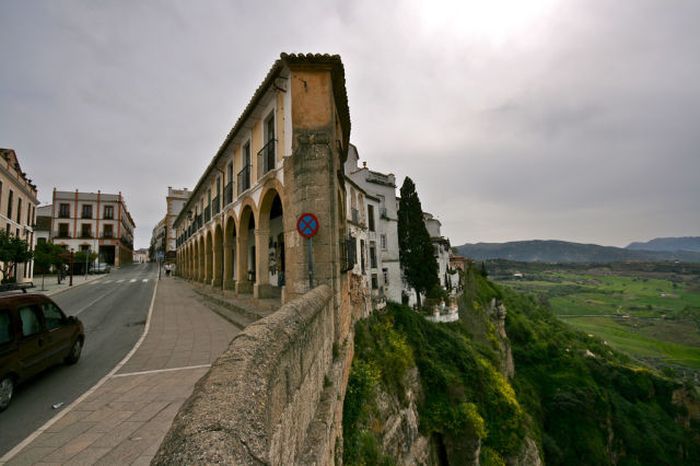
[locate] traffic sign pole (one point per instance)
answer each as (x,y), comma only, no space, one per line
(307,226)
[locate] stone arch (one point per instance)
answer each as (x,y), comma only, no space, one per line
(270,243)
(246,257)
(229,244)
(208,258)
(200,258)
(218,253)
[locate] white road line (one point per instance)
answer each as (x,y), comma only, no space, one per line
(12,453)
(119,281)
(145,280)
(133,280)
(109,281)
(157,371)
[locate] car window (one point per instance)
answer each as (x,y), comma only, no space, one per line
(31,324)
(52,315)
(5,327)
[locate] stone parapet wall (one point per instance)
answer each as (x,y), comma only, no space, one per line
(274,397)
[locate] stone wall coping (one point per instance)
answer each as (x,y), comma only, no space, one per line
(228,418)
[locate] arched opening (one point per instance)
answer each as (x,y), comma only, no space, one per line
(200,259)
(271,242)
(208,260)
(247,264)
(230,253)
(218,265)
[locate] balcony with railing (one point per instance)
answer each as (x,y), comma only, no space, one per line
(65,234)
(228,193)
(107,235)
(207,213)
(86,234)
(266,158)
(244,179)
(216,205)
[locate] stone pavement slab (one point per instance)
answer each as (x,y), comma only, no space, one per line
(126,418)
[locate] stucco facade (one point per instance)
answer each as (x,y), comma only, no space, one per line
(18,203)
(98,222)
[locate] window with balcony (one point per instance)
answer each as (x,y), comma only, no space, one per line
(372,255)
(228,190)
(370,217)
(108,231)
(266,156)
(109,212)
(10,201)
(63,230)
(382,241)
(87,211)
(244,174)
(64,211)
(19,210)
(375,281)
(86,230)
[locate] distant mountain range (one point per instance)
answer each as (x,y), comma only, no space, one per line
(562,251)
(686,243)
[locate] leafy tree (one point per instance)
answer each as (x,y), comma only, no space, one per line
(47,255)
(13,250)
(83,257)
(415,248)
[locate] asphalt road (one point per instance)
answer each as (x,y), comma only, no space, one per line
(113,310)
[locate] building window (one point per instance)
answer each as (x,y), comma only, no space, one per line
(63,230)
(372,255)
(10,200)
(385,273)
(108,231)
(0,192)
(85,230)
(362,256)
(375,281)
(40,241)
(87,211)
(64,211)
(19,210)
(382,241)
(370,217)
(109,212)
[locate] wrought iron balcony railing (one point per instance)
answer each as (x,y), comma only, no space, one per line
(244,179)
(266,158)
(228,193)
(216,205)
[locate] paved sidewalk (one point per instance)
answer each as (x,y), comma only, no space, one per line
(125,419)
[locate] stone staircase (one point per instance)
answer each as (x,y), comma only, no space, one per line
(240,310)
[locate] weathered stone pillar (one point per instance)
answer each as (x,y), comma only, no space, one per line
(218,255)
(228,265)
(262,260)
(243,285)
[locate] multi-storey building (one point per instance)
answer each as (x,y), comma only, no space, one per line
(372,195)
(42,230)
(18,202)
(283,157)
(96,222)
(158,243)
(175,201)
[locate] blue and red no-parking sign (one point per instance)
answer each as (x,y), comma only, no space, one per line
(307,225)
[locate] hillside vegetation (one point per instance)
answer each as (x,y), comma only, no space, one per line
(552,251)
(572,396)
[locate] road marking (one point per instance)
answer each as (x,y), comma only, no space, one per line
(97,282)
(94,301)
(158,371)
(24,443)
(119,281)
(133,280)
(145,280)
(109,281)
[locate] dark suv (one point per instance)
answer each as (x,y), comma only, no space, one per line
(34,335)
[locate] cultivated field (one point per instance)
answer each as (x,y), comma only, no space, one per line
(650,312)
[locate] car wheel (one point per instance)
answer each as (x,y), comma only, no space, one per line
(75,351)
(7,389)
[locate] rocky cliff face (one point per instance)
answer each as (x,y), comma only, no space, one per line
(400,437)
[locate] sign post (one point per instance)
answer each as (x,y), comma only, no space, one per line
(307,226)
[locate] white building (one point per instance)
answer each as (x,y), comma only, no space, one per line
(94,222)
(376,201)
(176,200)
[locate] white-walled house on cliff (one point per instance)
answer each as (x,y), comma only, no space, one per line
(381,212)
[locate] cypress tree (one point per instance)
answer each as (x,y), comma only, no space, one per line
(415,248)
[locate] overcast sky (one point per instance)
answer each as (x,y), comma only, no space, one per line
(573,120)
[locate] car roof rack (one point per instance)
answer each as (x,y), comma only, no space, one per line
(10,287)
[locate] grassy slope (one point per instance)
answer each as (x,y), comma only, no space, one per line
(580,409)
(661,316)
